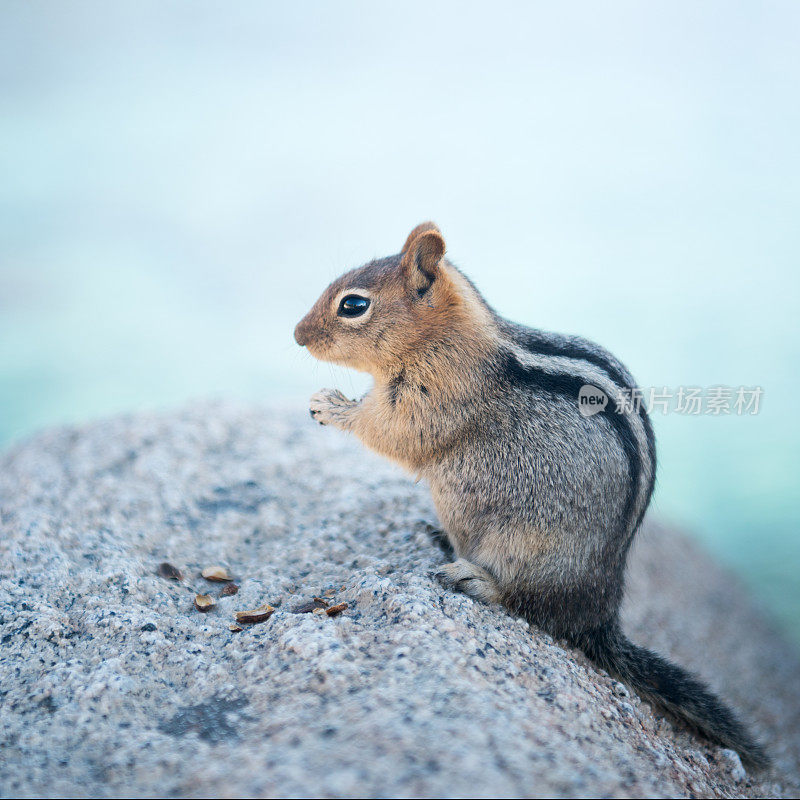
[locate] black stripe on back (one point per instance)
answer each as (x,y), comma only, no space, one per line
(575,350)
(569,386)
(578,351)
(651,450)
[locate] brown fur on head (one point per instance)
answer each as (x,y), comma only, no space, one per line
(416,300)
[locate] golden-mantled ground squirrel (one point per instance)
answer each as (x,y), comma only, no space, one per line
(539,503)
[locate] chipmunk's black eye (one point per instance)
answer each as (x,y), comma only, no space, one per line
(353,305)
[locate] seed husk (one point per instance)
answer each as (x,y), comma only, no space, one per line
(235,628)
(308,608)
(228,590)
(216,573)
(166,570)
(260,614)
(203,602)
(334,611)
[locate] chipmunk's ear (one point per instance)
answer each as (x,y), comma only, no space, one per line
(422,260)
(421,228)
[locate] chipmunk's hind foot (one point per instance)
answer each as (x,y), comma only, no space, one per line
(472,580)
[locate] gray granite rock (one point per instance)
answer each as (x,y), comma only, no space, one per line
(111,683)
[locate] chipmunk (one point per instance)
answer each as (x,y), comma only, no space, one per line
(538,501)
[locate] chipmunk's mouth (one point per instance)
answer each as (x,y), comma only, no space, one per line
(317,351)
(314,338)
(320,344)
(321,347)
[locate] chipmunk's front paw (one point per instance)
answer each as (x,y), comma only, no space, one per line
(330,407)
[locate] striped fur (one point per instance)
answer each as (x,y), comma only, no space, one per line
(558,345)
(566,375)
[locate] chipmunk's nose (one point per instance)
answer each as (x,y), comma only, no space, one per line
(301,332)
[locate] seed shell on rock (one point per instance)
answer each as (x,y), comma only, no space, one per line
(166,570)
(216,573)
(308,608)
(204,602)
(260,614)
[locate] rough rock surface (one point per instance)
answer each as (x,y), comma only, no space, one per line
(111,683)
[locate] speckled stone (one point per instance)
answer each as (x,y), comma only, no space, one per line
(111,683)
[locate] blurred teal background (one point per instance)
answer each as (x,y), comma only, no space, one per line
(179,180)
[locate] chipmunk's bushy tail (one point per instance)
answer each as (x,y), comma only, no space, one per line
(673,688)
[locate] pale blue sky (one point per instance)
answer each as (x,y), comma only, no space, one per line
(179,180)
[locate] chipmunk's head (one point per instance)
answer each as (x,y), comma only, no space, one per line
(375,318)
